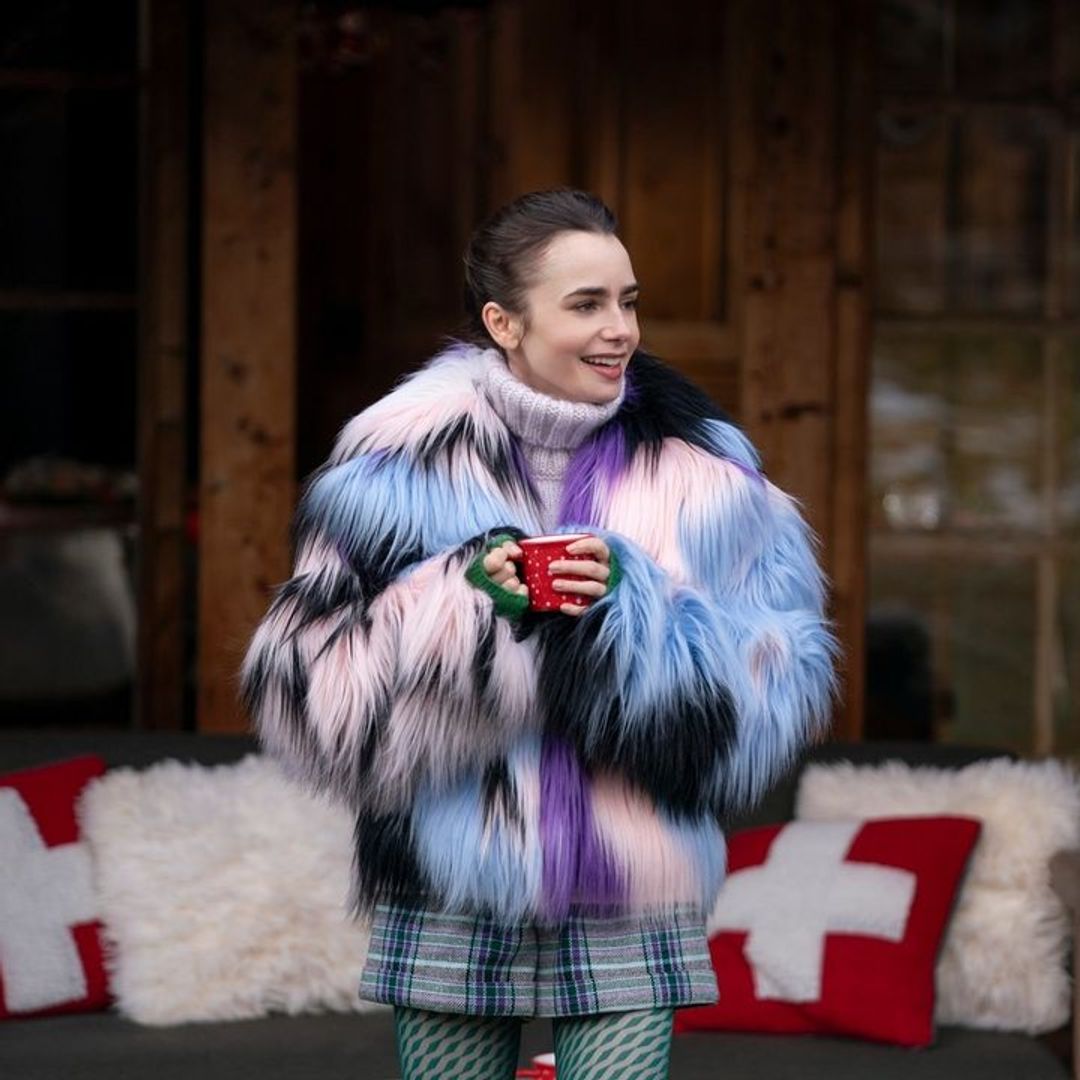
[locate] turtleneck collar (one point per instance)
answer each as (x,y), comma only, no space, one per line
(539,419)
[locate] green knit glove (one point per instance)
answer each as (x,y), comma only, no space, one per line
(616,571)
(509,604)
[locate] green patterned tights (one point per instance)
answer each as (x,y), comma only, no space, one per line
(607,1046)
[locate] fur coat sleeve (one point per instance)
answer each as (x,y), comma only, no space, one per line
(378,665)
(703,684)
(712,663)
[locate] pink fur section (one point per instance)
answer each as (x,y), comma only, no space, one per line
(431,399)
(274,714)
(438,728)
(513,677)
(348,684)
(317,557)
(659,870)
(649,506)
(412,673)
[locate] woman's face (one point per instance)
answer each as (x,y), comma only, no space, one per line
(581,327)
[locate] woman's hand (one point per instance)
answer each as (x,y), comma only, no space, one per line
(597,570)
(499,566)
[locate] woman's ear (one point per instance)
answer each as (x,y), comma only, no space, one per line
(504,327)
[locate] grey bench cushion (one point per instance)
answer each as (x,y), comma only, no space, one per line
(361,1047)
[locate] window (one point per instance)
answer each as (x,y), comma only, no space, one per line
(974,612)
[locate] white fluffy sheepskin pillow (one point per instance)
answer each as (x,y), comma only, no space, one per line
(223,892)
(1002,964)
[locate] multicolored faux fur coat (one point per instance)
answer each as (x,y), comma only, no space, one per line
(532,765)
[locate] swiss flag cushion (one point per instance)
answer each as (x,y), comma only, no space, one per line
(50,949)
(834,927)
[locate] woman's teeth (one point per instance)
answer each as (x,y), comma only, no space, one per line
(600,361)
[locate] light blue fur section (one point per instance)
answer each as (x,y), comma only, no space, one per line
(727,441)
(758,581)
(786,574)
(778,595)
(664,640)
(373,498)
(703,841)
(721,540)
(448,829)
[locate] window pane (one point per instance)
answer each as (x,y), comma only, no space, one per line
(955,433)
(994,386)
(909,415)
(1067,688)
(68,200)
(1004,47)
(992,643)
(911,234)
(951,642)
(1001,213)
(911,36)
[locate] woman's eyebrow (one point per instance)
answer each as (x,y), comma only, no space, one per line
(599,290)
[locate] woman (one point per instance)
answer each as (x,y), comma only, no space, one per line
(537,796)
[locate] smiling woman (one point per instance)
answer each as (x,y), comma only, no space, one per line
(566,324)
(538,793)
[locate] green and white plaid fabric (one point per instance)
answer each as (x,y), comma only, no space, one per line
(472,964)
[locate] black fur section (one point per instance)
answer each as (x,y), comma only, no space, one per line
(662,403)
(364,759)
(263,678)
(318,595)
(672,755)
(441,447)
(373,566)
(484,658)
(386,867)
(499,793)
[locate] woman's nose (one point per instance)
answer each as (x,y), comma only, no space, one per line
(618,326)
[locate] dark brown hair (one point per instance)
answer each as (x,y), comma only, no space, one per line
(501,258)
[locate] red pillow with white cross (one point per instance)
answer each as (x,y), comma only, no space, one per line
(834,927)
(50,947)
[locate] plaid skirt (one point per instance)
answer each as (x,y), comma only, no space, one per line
(471,964)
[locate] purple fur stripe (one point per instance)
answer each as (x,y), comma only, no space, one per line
(593,469)
(577,869)
(517,455)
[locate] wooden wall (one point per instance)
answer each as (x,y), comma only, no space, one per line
(163,357)
(730,140)
(248,387)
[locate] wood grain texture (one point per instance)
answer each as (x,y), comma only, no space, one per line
(247,488)
(799,188)
(847,553)
(163,359)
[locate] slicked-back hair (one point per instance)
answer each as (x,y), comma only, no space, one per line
(503,252)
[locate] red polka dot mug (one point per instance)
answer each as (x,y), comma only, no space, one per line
(537,553)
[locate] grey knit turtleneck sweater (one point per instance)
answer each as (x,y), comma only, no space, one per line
(549,429)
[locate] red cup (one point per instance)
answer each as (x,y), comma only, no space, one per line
(537,553)
(541,1068)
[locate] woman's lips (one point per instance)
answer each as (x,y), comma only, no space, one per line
(612,373)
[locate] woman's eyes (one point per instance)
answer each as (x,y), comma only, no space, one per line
(589,305)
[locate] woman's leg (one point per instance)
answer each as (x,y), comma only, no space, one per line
(434,1044)
(614,1046)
